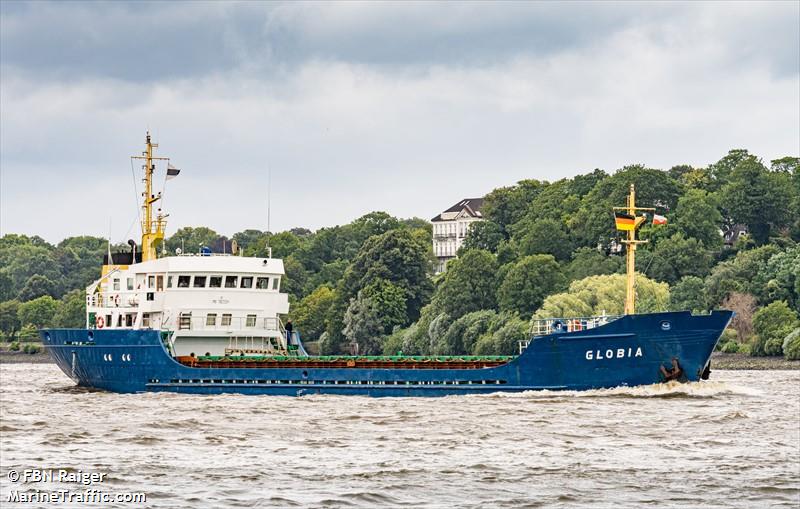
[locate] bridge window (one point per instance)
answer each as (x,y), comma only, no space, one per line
(230,281)
(130,283)
(215,282)
(159,283)
(199,281)
(116,283)
(262,283)
(247,282)
(251,321)
(226,319)
(145,319)
(129,320)
(151,281)
(275,283)
(169,281)
(211,319)
(183,281)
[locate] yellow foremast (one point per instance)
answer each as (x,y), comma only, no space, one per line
(152,226)
(630,244)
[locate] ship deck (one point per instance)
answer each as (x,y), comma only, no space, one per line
(346,361)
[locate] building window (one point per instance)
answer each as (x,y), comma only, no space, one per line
(262,283)
(226,319)
(251,320)
(183,281)
(215,282)
(130,283)
(230,281)
(116,284)
(211,319)
(247,282)
(199,281)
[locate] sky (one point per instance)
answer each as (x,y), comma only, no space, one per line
(354,107)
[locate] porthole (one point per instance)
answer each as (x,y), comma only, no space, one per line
(47,336)
(665,325)
(90,335)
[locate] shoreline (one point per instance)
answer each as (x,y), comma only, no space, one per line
(719,360)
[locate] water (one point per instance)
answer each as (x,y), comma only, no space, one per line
(730,442)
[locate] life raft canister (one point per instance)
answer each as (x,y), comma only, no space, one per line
(100,322)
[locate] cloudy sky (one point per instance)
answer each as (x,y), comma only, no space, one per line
(403,107)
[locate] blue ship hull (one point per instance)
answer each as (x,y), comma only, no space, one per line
(626,352)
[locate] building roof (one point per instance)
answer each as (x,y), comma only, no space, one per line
(468,206)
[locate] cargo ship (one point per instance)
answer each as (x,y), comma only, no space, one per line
(211,323)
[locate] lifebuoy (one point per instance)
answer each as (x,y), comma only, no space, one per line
(100,322)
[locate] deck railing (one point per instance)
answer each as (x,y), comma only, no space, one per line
(547,326)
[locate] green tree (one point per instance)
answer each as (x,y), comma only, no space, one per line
(758,198)
(528,282)
(464,332)
(469,284)
(9,319)
(676,257)
(363,326)
(504,340)
(389,301)
(38,312)
(688,295)
(791,345)
(36,286)
(779,279)
(486,235)
(698,216)
(597,295)
(587,261)
(311,312)
(191,239)
(507,205)
(71,313)
(546,236)
(740,274)
(771,325)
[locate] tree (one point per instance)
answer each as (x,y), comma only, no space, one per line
(505,340)
(743,305)
(598,295)
(757,198)
(191,239)
(528,282)
(594,221)
(507,205)
(311,312)
(740,274)
(36,286)
(362,325)
(39,312)
(697,216)
(469,284)
(771,325)
(688,295)
(676,257)
(389,301)
(71,313)
(546,236)
(486,235)
(791,345)
(9,320)
(464,332)
(779,279)
(246,238)
(587,261)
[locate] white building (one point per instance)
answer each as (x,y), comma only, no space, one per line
(451,227)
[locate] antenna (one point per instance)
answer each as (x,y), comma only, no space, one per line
(269,198)
(110,259)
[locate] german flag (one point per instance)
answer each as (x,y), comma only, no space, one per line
(625,221)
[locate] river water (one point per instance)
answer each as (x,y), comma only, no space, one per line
(731,442)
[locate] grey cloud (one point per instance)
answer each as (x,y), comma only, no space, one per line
(146,42)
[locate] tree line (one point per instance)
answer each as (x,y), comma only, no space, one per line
(544,249)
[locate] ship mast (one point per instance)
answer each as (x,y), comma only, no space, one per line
(630,245)
(152,227)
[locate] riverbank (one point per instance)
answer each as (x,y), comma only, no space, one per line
(736,361)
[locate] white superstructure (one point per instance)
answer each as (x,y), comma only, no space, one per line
(207,303)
